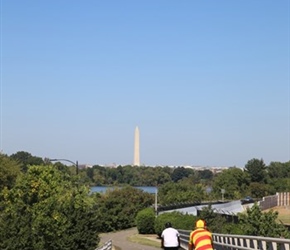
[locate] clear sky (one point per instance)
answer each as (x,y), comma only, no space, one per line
(207,82)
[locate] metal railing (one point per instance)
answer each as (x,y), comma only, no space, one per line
(243,242)
(107,246)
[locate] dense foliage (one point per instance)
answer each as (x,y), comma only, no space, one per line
(46,210)
(256,222)
(50,207)
(177,219)
(9,170)
(145,221)
(25,159)
(117,208)
(170,193)
(256,180)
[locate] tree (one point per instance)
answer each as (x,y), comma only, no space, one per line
(279,176)
(9,170)
(179,173)
(259,190)
(234,180)
(205,174)
(46,210)
(26,159)
(257,223)
(117,208)
(278,170)
(257,170)
(213,219)
(182,191)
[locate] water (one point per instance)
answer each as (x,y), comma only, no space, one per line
(101,189)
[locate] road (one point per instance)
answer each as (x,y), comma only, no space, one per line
(232,207)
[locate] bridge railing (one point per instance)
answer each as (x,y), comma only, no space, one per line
(243,242)
(107,246)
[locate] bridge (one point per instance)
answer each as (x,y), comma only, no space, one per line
(233,242)
(230,242)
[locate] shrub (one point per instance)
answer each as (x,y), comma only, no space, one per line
(177,219)
(145,221)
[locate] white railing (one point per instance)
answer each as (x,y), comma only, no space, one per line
(243,242)
(106,246)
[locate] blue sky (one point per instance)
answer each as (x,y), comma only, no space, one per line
(206,82)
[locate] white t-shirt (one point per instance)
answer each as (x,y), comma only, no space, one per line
(170,237)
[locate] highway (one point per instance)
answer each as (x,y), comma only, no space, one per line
(232,207)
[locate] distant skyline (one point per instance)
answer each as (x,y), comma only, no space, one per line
(206,82)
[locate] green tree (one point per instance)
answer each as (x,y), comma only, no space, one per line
(279,176)
(177,219)
(279,170)
(205,174)
(170,193)
(257,170)
(26,159)
(260,190)
(213,219)
(257,223)
(179,173)
(46,210)
(117,208)
(9,170)
(234,181)
(279,185)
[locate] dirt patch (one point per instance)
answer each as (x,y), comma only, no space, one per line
(281,210)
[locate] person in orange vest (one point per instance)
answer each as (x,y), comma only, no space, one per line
(200,238)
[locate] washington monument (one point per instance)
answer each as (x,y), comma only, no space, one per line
(136,148)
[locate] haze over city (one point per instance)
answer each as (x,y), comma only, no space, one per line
(206,82)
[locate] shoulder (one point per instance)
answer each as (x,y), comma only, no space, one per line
(192,232)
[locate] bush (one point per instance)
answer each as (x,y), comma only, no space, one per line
(117,209)
(177,219)
(145,221)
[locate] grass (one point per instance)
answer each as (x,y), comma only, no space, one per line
(148,240)
(284,214)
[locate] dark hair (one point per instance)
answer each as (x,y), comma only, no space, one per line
(168,224)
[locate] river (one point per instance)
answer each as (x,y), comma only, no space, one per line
(102,189)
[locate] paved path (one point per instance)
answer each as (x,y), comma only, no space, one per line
(119,239)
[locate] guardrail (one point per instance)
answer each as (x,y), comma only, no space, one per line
(243,242)
(107,246)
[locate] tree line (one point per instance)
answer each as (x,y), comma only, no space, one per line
(255,179)
(49,206)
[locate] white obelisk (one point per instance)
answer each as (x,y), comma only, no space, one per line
(136,148)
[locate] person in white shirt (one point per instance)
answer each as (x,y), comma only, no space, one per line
(170,238)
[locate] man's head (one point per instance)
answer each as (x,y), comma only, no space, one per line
(168,224)
(200,224)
